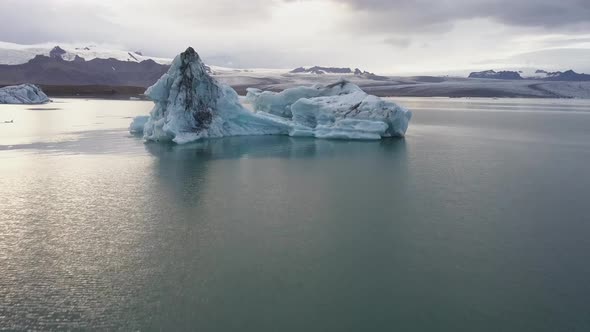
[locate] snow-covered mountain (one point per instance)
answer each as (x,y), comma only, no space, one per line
(339,71)
(54,70)
(568,75)
(16,54)
(87,64)
(62,69)
(74,65)
(322,70)
(500,75)
(538,74)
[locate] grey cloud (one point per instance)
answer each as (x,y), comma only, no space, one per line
(215,12)
(564,42)
(26,21)
(161,28)
(222,28)
(437,16)
(400,42)
(552,59)
(33,21)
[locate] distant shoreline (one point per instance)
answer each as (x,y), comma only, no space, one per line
(127,92)
(92,91)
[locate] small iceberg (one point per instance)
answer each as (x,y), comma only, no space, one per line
(22,94)
(191,105)
(341,110)
(136,126)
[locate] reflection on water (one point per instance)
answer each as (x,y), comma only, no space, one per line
(44,109)
(476,221)
(83,142)
(62,118)
(265,147)
(186,168)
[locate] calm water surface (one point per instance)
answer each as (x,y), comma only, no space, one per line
(478,221)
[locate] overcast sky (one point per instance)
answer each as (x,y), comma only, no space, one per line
(384,36)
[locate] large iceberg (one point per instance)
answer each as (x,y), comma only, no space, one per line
(22,94)
(190,105)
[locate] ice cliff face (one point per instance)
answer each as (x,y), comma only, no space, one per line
(191,105)
(22,94)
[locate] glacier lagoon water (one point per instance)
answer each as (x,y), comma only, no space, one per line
(478,220)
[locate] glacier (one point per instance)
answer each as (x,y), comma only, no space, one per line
(191,105)
(22,94)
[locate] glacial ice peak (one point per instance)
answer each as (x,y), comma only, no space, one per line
(190,104)
(189,88)
(197,91)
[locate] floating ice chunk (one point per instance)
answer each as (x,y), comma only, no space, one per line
(322,107)
(136,126)
(22,94)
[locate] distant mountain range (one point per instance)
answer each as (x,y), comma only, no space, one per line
(569,75)
(500,75)
(16,54)
(92,71)
(318,70)
(53,69)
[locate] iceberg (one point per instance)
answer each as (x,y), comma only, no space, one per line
(328,111)
(22,94)
(191,105)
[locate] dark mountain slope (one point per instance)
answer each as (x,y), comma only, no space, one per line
(54,70)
